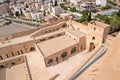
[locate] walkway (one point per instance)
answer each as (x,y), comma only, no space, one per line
(64,68)
(77,71)
(36,66)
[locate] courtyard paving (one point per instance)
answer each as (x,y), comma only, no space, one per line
(39,72)
(67,66)
(17,72)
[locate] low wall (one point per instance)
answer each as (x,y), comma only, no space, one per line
(9,62)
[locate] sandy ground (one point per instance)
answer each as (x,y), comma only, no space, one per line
(67,66)
(37,69)
(39,72)
(107,67)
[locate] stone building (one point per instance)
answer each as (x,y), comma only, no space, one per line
(56,41)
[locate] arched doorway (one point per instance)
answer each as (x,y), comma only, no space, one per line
(92,46)
(13,63)
(64,54)
(57,60)
(32,49)
(1,57)
(2,66)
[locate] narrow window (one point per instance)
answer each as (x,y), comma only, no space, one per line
(13,63)
(12,53)
(59,35)
(81,47)
(1,57)
(93,38)
(50,61)
(42,40)
(21,51)
(18,52)
(45,31)
(7,55)
(64,54)
(73,50)
(49,30)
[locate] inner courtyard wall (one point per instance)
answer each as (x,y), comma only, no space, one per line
(15,35)
(17,49)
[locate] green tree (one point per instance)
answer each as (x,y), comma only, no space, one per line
(107,20)
(73,9)
(114,14)
(118,13)
(63,6)
(111,2)
(106,7)
(84,12)
(83,18)
(115,24)
(94,10)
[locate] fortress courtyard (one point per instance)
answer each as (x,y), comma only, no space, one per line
(54,51)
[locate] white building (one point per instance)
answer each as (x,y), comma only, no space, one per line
(47,1)
(56,10)
(37,15)
(44,7)
(101,2)
(75,1)
(73,14)
(88,5)
(38,1)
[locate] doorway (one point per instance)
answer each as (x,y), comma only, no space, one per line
(57,60)
(92,46)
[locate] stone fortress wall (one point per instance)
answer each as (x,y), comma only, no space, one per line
(93,35)
(11,62)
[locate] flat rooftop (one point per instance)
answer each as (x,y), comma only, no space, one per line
(39,72)
(36,66)
(76,33)
(17,72)
(55,45)
(99,24)
(14,28)
(15,41)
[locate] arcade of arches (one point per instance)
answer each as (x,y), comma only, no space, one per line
(12,62)
(12,54)
(16,58)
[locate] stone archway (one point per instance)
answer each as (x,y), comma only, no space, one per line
(13,63)
(64,54)
(2,66)
(32,49)
(92,46)
(1,58)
